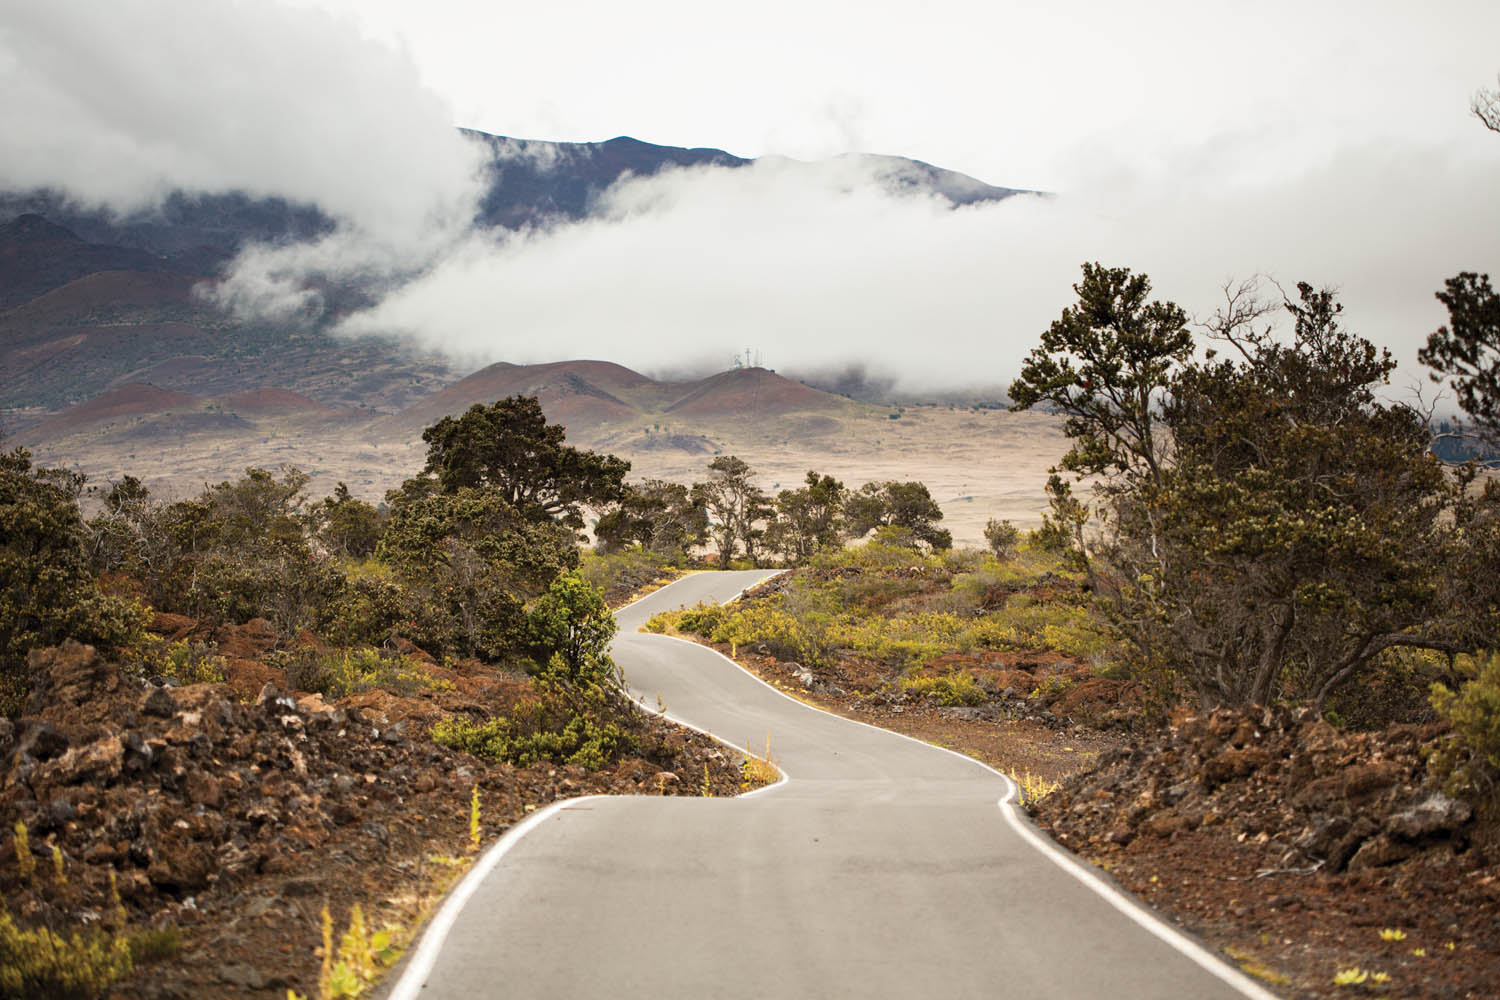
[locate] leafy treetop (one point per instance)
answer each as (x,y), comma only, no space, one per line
(1103,362)
(509,446)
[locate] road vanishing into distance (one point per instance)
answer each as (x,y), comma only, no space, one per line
(880,867)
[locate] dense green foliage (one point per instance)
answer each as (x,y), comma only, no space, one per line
(906,506)
(508,446)
(1467,350)
(1268,526)
(468,562)
(456,566)
(1469,757)
(571,625)
(807,521)
(345,525)
(48,591)
(576,718)
(660,518)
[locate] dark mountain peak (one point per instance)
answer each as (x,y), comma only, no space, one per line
(31,228)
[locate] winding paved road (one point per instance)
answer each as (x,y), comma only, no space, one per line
(882,867)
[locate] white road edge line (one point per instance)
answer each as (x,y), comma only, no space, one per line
(1009,806)
(410,984)
(414,976)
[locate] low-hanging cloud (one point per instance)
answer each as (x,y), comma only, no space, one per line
(819,266)
(119,104)
(813,265)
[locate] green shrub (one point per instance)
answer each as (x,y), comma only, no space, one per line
(1001,537)
(40,964)
(349,671)
(1468,759)
(951,690)
(565,724)
(368,608)
(47,590)
(190,663)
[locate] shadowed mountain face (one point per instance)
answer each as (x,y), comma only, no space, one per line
(530,183)
(92,301)
(37,255)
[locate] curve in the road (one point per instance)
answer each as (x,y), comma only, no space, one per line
(876,869)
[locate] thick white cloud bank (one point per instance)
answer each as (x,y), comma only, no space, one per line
(1360,171)
(820,268)
(119,103)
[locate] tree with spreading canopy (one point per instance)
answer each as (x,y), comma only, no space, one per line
(735,506)
(807,520)
(510,447)
(659,517)
(1268,526)
(907,506)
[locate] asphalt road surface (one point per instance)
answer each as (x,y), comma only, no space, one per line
(880,867)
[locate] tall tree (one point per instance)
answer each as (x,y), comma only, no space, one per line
(807,520)
(1104,363)
(510,447)
(735,506)
(1467,350)
(892,504)
(345,524)
(661,517)
(1287,527)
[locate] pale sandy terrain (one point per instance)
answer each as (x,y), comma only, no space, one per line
(977,464)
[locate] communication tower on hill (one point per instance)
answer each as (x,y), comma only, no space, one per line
(748,360)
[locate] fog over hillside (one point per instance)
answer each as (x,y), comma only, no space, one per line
(816,266)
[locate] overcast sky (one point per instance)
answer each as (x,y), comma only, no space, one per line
(1197,141)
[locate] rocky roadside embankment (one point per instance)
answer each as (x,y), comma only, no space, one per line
(1300,849)
(236,821)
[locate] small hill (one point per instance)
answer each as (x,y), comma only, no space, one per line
(84,300)
(750,392)
(276,403)
(572,393)
(37,256)
(128,402)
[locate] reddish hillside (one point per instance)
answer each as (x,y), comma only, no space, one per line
(37,256)
(569,392)
(80,301)
(750,392)
(275,403)
(125,403)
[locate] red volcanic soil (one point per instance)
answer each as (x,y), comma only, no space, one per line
(750,392)
(570,393)
(78,300)
(275,402)
(133,400)
(37,256)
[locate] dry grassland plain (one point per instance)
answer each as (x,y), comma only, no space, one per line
(978,464)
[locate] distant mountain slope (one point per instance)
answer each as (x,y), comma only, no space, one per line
(126,403)
(750,392)
(571,392)
(276,403)
(531,182)
(593,397)
(37,256)
(91,301)
(193,232)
